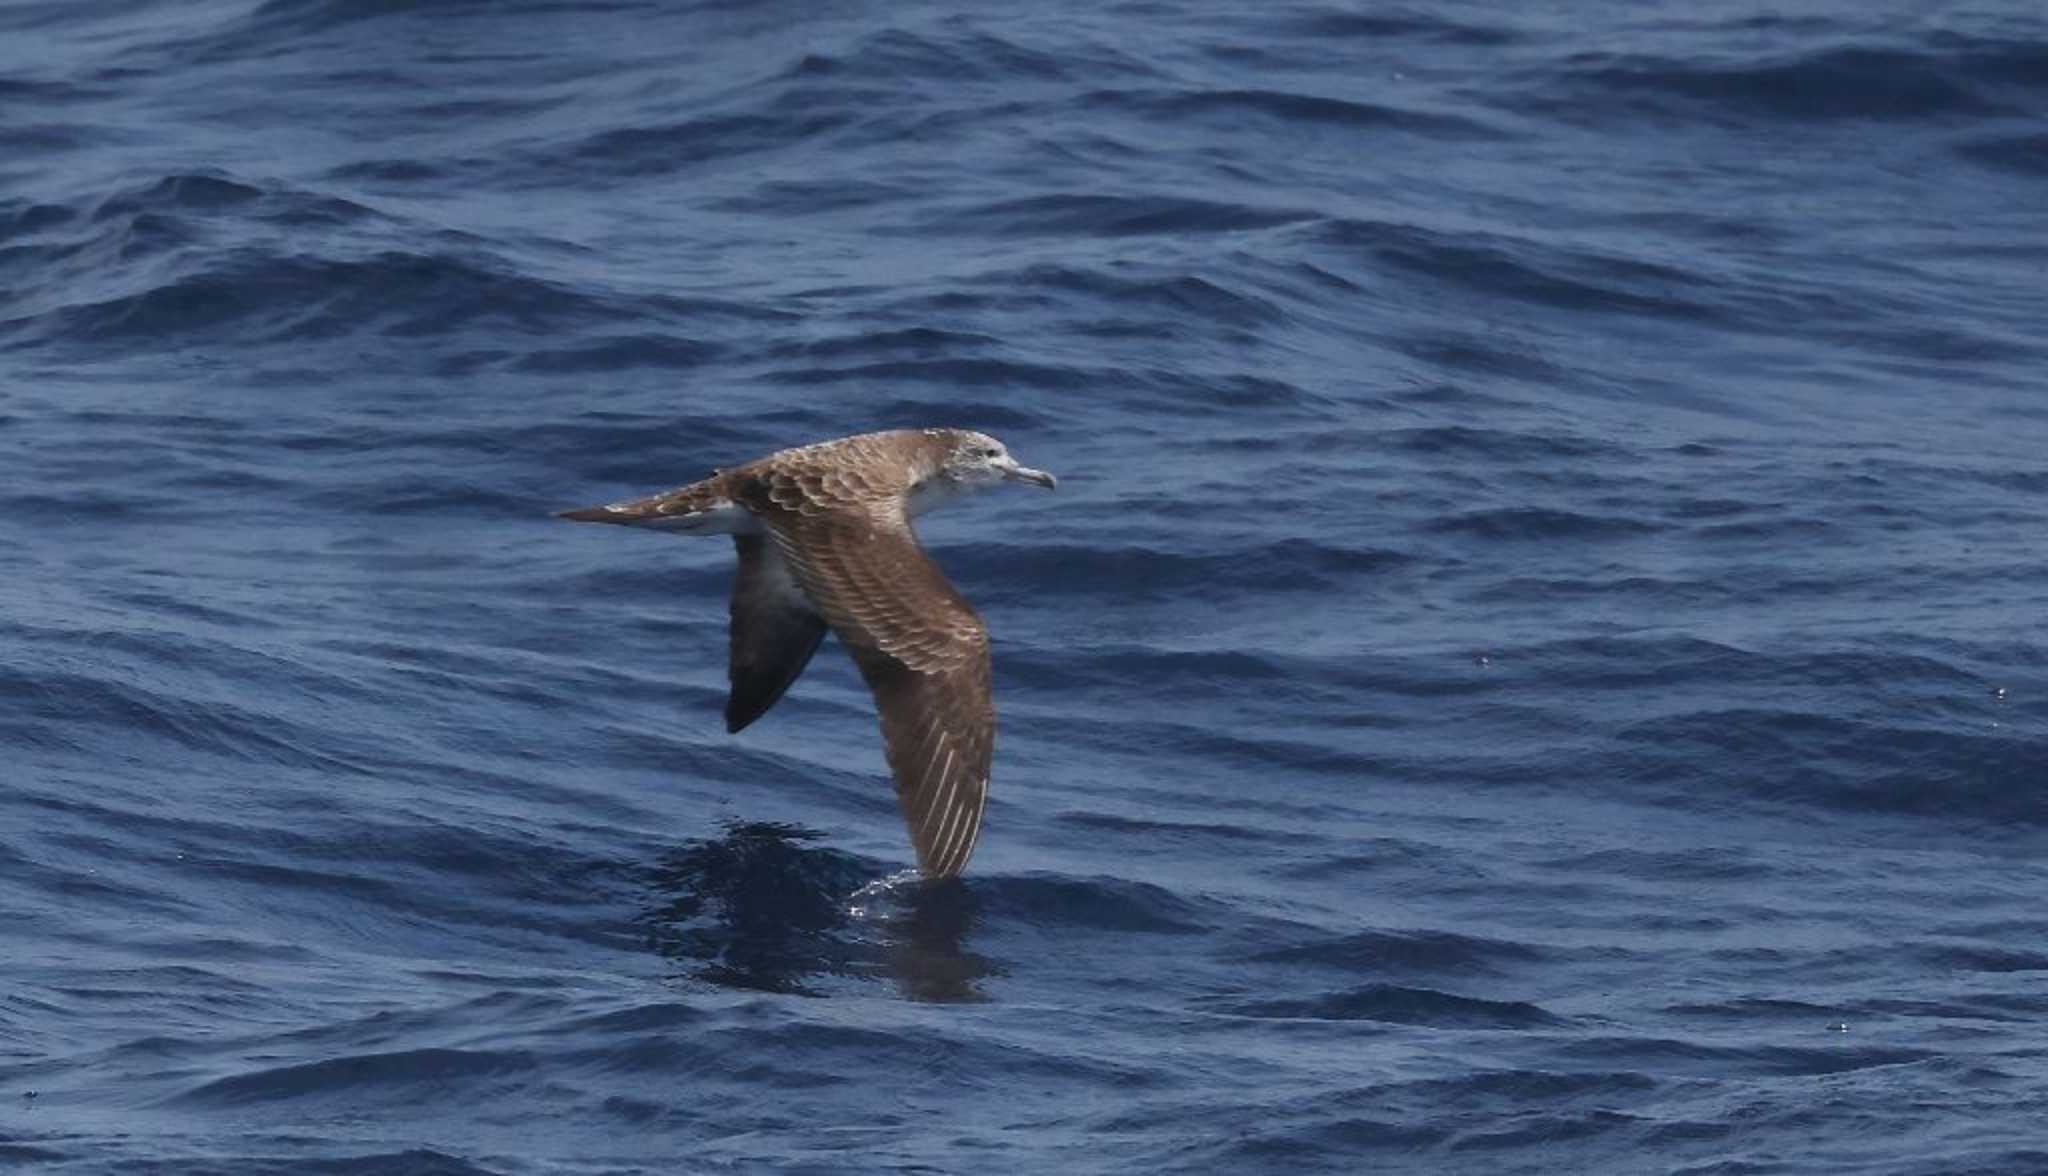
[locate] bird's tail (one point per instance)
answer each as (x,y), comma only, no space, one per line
(700,506)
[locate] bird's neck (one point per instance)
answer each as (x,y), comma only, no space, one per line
(929,493)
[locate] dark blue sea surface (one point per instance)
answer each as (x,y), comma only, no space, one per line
(1535,664)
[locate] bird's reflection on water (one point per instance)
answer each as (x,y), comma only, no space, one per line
(759,908)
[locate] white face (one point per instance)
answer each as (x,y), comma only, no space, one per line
(979,460)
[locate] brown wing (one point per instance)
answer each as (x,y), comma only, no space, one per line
(920,646)
(938,732)
(774,631)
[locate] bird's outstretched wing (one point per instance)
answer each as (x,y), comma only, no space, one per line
(920,646)
(774,631)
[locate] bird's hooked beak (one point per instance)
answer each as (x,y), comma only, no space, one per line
(1012,472)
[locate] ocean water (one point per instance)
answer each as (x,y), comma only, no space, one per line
(1535,663)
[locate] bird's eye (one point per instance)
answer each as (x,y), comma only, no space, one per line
(991,452)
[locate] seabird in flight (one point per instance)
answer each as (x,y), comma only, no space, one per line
(825,540)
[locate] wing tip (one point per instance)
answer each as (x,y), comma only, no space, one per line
(946,851)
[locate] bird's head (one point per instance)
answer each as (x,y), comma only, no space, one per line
(974,460)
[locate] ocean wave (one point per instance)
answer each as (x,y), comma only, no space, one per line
(201,193)
(1286,566)
(1828,762)
(2025,154)
(1526,524)
(1844,82)
(1067,214)
(640,152)
(315,267)
(1417,953)
(1198,295)
(949,372)
(257,296)
(1524,270)
(1180,106)
(1772,1059)
(1400,1005)
(616,353)
(393,1079)
(1321,22)
(1096,904)
(886,342)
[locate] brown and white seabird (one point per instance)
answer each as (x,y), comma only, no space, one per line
(825,539)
